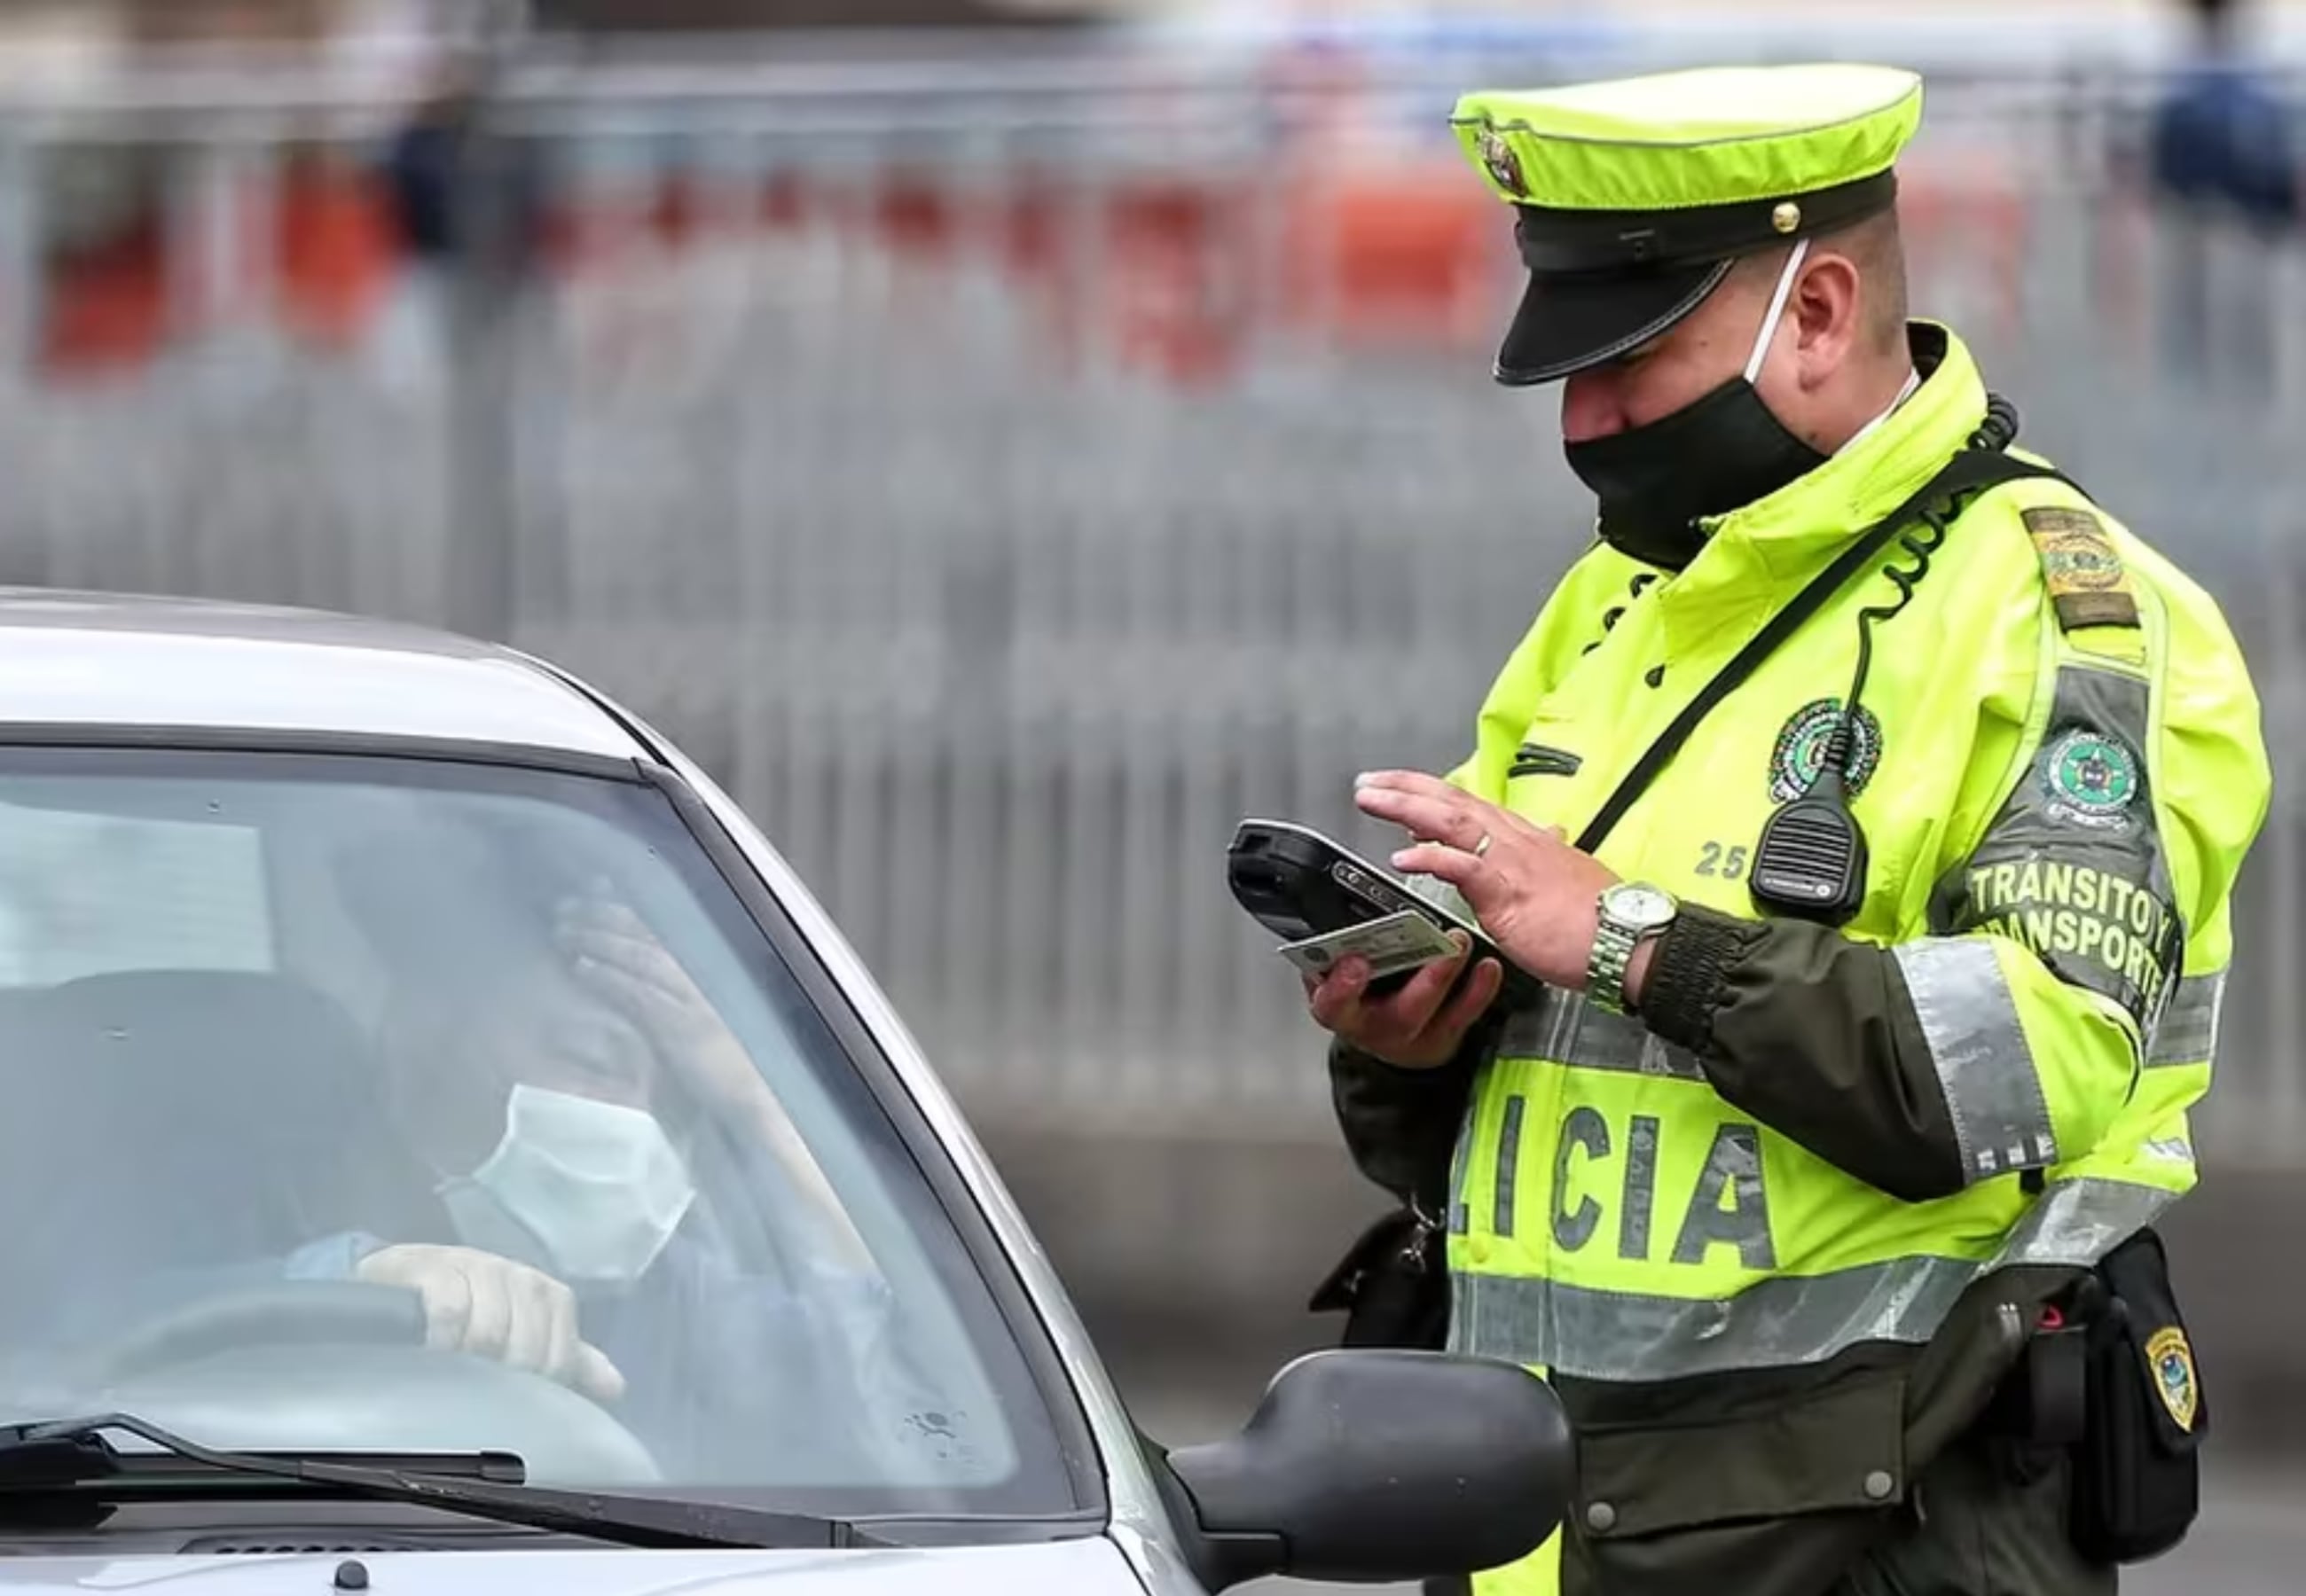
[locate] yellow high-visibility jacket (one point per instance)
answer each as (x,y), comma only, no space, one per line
(1775,1237)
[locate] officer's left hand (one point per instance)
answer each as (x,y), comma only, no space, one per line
(1537,897)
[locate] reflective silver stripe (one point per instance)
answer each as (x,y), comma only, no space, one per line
(1783,1320)
(2079,1222)
(1564,1027)
(1969,1018)
(2188,1031)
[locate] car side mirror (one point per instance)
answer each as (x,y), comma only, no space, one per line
(1370,1467)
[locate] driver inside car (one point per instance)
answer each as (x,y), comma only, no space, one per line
(571,1240)
(567,1105)
(533,1094)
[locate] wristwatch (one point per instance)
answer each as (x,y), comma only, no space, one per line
(1632,912)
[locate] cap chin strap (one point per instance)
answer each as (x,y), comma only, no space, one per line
(1777,309)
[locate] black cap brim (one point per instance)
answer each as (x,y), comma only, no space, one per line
(1570,320)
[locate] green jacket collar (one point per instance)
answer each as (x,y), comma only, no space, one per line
(1761,552)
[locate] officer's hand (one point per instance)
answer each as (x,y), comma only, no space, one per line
(490,1306)
(1537,898)
(1419,1026)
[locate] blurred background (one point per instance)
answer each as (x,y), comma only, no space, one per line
(1008,440)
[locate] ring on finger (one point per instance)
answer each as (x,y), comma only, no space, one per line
(1481,848)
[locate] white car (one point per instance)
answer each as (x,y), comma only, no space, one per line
(449,1150)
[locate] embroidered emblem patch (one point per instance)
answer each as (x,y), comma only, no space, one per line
(1800,752)
(2088,585)
(2090,779)
(1504,165)
(2173,1374)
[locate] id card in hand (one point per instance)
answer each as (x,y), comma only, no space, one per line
(1402,941)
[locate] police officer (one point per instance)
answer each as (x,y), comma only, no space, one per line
(1875,1003)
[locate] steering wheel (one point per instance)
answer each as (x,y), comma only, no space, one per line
(328,1312)
(343,1365)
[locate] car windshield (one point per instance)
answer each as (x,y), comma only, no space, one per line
(419,1104)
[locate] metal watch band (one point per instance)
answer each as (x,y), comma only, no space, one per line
(1605,971)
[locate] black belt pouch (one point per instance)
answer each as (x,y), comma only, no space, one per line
(1393,1286)
(2137,1474)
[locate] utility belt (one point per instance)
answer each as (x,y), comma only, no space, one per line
(2109,1378)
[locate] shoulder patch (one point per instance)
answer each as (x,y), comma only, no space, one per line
(2089,586)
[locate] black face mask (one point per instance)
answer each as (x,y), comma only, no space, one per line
(1719,454)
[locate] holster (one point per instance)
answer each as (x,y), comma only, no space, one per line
(2110,1379)
(2137,1476)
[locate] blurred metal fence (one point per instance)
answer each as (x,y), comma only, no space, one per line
(1006,476)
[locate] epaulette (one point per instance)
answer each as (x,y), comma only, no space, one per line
(2089,585)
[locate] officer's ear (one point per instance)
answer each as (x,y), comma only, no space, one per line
(1825,308)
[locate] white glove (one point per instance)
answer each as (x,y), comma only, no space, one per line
(490,1306)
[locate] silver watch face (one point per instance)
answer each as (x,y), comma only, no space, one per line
(1638,906)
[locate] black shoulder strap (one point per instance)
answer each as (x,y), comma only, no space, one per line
(1981,466)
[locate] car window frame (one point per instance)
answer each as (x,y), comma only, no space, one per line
(1080,1456)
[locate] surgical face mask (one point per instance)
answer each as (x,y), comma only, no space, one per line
(594,1190)
(1714,455)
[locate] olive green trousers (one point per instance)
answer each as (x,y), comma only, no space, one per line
(1989,1518)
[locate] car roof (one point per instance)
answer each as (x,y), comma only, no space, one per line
(120,660)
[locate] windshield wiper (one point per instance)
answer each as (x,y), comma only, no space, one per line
(62,1462)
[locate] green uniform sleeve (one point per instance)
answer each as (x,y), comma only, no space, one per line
(1813,1034)
(1401,1125)
(2010,1036)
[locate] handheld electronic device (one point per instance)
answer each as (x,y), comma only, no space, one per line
(1300,885)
